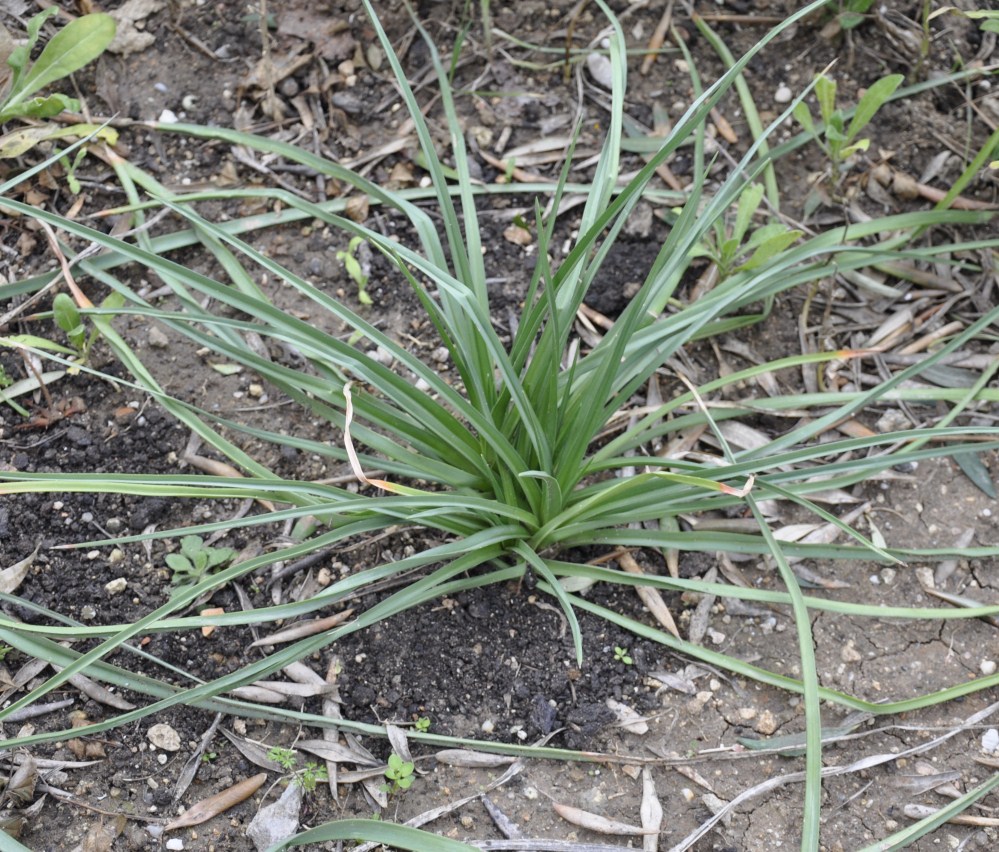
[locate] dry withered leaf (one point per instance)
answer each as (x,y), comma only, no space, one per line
(103,834)
(335,751)
(20,788)
(303,629)
(597,823)
(356,207)
(11,578)
(253,751)
(627,718)
(518,236)
(401,176)
(399,742)
(467,757)
(97,692)
(651,812)
(211,807)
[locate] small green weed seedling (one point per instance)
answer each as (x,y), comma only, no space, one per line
(67,317)
(422,724)
(727,245)
(353,260)
(853,13)
(621,656)
(308,777)
(77,44)
(196,561)
(399,773)
(311,776)
(839,140)
(286,758)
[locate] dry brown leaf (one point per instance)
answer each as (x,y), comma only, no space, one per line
(211,807)
(97,692)
(628,719)
(11,578)
(297,690)
(356,208)
(924,811)
(650,597)
(401,176)
(214,467)
(303,629)
(399,741)
(469,758)
(253,751)
(651,812)
(335,751)
(20,788)
(256,693)
(597,823)
(518,236)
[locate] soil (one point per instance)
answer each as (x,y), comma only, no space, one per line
(496,664)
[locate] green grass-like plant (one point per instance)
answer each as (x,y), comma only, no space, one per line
(536,444)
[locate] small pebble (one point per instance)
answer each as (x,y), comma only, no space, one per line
(488,726)
(783,94)
(766,724)
(990,740)
(600,70)
(175,843)
(849,654)
(164,737)
(168,116)
(987,667)
(116,586)
(157,339)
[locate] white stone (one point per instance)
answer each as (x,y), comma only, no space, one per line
(164,737)
(599,67)
(116,586)
(990,740)
(987,667)
(783,94)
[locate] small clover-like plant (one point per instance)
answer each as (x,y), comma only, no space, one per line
(357,263)
(839,140)
(399,773)
(621,655)
(196,561)
(422,724)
